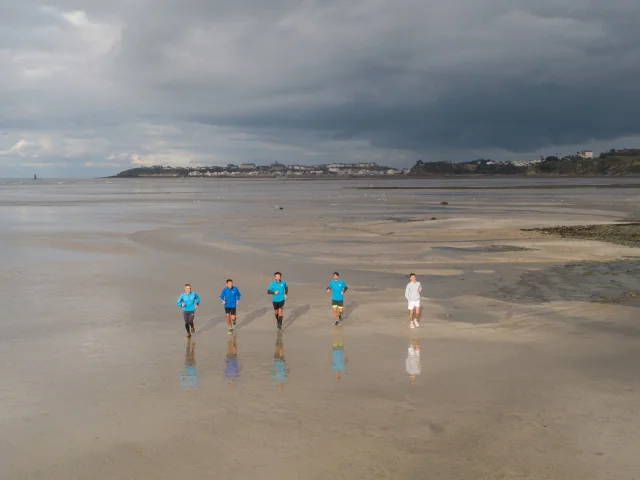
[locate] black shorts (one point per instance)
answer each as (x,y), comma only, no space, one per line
(337,303)
(188,317)
(230,311)
(278,305)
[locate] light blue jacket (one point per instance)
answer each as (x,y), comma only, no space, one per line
(188,301)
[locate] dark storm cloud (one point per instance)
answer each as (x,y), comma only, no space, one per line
(311,79)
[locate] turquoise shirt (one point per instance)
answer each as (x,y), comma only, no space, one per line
(337,288)
(282,288)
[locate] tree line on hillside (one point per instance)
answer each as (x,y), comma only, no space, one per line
(606,164)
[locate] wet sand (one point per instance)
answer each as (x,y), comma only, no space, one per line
(528,343)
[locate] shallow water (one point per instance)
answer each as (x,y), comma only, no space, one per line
(92,346)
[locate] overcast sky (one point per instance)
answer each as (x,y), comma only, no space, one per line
(91,87)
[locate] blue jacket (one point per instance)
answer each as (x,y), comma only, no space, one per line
(282,288)
(337,287)
(188,301)
(231,296)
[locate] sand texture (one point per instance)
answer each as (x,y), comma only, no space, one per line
(526,364)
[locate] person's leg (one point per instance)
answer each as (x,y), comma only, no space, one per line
(228,318)
(280,317)
(335,313)
(192,318)
(340,312)
(276,312)
(185,316)
(417,316)
(233,317)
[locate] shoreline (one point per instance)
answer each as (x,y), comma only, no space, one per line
(369,177)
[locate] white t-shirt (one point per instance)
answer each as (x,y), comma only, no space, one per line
(412,292)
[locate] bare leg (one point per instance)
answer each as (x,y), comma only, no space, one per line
(335,314)
(417,314)
(233,319)
(228,320)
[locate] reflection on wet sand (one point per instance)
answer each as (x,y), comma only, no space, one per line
(338,358)
(189,375)
(232,368)
(279,375)
(412,361)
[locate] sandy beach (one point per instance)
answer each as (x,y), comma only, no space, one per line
(529,353)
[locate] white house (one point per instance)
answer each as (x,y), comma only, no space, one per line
(586,154)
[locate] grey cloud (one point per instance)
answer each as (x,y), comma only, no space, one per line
(396,80)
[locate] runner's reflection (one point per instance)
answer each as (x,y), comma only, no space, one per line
(279,375)
(412,361)
(338,358)
(232,368)
(189,374)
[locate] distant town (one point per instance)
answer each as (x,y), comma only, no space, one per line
(614,162)
(273,170)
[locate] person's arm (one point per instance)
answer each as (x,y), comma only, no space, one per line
(406,291)
(222,296)
(238,295)
(197,299)
(271,290)
(344,290)
(419,288)
(286,290)
(179,302)
(328,288)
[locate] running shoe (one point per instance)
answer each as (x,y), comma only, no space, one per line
(234,323)
(337,323)
(193,329)
(416,323)
(411,325)
(231,331)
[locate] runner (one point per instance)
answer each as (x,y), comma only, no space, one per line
(231,366)
(337,287)
(279,291)
(412,361)
(338,358)
(279,375)
(412,294)
(230,297)
(189,301)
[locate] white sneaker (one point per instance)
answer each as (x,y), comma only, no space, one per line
(415,322)
(411,325)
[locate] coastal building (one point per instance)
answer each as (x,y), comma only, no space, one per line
(247,166)
(586,154)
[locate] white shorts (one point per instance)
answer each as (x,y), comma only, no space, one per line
(413,305)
